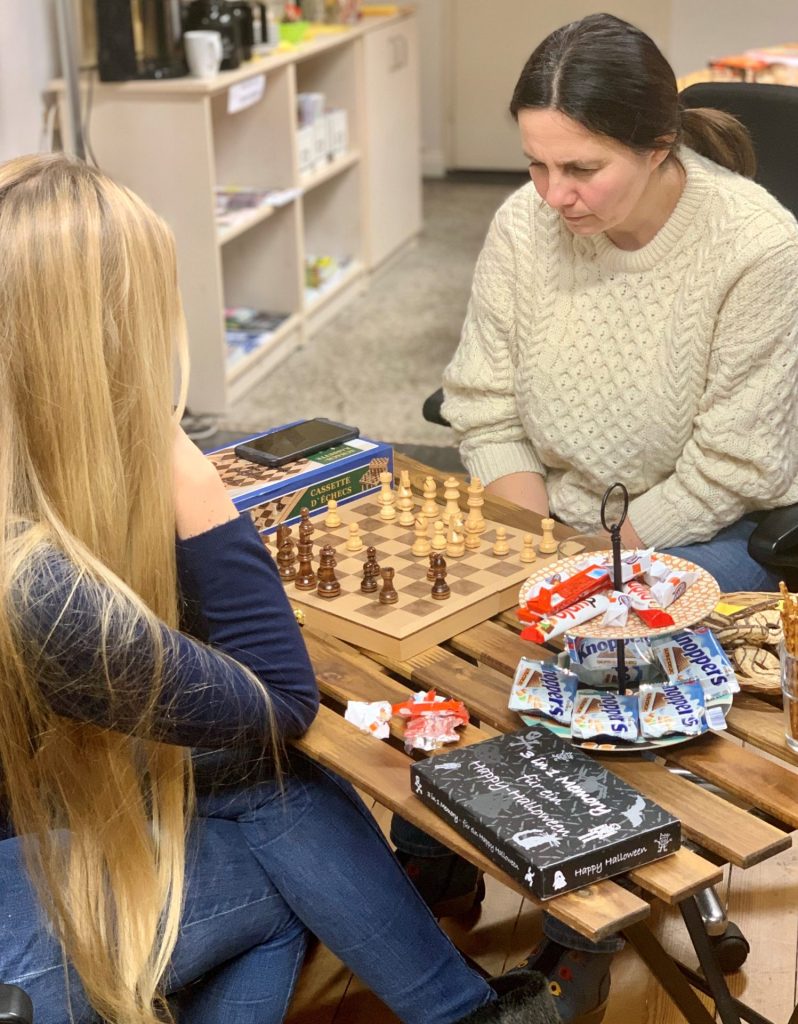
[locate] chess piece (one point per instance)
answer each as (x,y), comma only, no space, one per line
(528,550)
(548,545)
(440,588)
(332,520)
(386,495)
(429,508)
(305,577)
(439,537)
(387,498)
(404,503)
(451,494)
(286,554)
(388,594)
(371,571)
(476,499)
(329,585)
(455,541)
(404,479)
(354,542)
(472,538)
(421,545)
(500,545)
(305,525)
(431,569)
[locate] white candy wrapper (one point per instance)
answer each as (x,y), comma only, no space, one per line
(633,564)
(657,571)
(558,623)
(371,717)
(618,609)
(671,588)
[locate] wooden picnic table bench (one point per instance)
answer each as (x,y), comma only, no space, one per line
(742,817)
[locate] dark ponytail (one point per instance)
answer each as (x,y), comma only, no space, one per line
(611,78)
(721,137)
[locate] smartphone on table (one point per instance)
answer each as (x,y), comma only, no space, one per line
(295,442)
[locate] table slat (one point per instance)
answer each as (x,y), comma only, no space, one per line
(678,876)
(761,724)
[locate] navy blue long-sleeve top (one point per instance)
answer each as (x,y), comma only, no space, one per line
(206,700)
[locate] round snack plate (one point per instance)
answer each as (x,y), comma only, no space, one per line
(695,604)
(640,746)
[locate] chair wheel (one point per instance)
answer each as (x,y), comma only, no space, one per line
(731,949)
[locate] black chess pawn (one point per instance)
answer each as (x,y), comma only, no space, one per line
(286,554)
(371,571)
(388,594)
(440,588)
(328,586)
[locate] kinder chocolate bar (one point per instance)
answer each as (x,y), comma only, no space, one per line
(560,622)
(605,716)
(633,564)
(543,688)
(668,709)
(618,610)
(646,607)
(696,656)
(671,587)
(569,590)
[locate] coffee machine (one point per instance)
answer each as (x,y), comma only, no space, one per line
(139,39)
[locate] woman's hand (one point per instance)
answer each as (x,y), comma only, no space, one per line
(201,501)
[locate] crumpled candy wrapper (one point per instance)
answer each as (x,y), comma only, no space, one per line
(618,609)
(432,720)
(370,716)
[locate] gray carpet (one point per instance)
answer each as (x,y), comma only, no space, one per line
(375,363)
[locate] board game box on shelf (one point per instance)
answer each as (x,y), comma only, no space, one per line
(547,814)
(274,497)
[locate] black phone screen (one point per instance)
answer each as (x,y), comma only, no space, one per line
(308,435)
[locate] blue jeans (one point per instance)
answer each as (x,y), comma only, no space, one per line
(726,558)
(411,840)
(263,869)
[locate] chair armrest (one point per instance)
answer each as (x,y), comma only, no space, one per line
(775,539)
(15,1006)
(431,410)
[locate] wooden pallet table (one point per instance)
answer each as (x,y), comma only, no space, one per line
(743,818)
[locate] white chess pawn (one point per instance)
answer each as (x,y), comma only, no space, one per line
(404,503)
(548,545)
(500,545)
(388,511)
(332,520)
(528,550)
(455,543)
(354,542)
(430,508)
(473,541)
(439,537)
(421,545)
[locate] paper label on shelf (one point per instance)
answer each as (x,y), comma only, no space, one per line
(245,94)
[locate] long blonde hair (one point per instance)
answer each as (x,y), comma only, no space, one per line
(90,322)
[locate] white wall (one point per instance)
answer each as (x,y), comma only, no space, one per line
(27,63)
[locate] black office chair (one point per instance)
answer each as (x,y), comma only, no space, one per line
(15,1006)
(770,113)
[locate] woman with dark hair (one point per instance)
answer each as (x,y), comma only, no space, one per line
(633,317)
(634,312)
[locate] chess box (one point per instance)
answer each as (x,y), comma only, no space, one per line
(545,812)
(274,497)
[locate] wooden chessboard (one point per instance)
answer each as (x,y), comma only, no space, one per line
(481,585)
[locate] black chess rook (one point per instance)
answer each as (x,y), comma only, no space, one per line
(388,594)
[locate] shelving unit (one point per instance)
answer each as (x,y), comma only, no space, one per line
(174,141)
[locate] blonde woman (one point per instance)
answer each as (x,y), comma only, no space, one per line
(137,876)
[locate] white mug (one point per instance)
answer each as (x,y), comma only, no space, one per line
(203,53)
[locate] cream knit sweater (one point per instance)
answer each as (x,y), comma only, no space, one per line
(673,368)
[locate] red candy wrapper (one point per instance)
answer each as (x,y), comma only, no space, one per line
(433,720)
(570,590)
(645,606)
